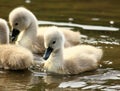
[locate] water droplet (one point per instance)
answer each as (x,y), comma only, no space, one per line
(28,1)
(111,22)
(70,19)
(95,19)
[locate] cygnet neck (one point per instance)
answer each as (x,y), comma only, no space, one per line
(4,35)
(31,30)
(57,56)
(55,62)
(28,35)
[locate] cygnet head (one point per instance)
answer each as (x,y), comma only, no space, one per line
(4,32)
(20,19)
(53,41)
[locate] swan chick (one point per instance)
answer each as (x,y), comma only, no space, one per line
(72,60)
(12,57)
(25,28)
(4,32)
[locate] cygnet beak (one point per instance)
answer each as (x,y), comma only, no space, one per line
(47,53)
(15,33)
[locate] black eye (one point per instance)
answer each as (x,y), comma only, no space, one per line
(16,23)
(53,42)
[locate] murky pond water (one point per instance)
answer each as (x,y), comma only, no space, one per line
(99,23)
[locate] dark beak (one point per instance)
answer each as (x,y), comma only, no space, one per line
(15,33)
(47,53)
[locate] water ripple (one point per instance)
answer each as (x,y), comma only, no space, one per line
(87,27)
(102,39)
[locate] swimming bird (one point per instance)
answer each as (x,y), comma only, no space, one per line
(71,60)
(24,24)
(12,57)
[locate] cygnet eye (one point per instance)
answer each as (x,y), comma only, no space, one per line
(54,42)
(16,24)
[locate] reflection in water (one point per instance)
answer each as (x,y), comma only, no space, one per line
(72,84)
(91,80)
(100,79)
(15,81)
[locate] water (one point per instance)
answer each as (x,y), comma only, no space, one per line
(97,20)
